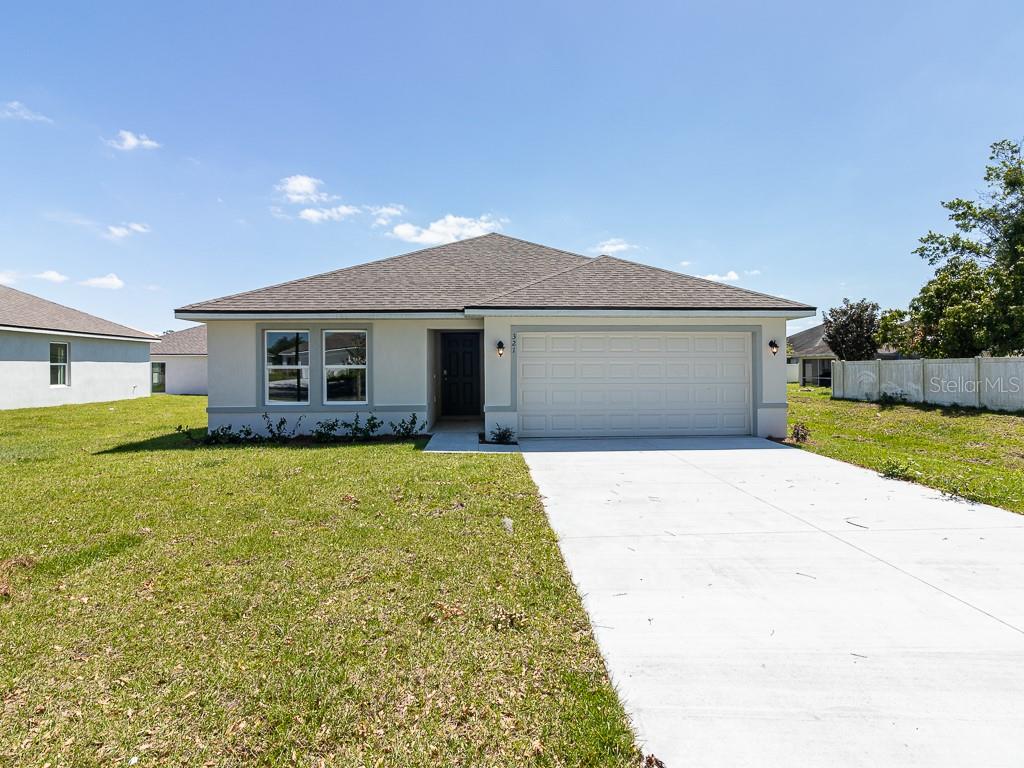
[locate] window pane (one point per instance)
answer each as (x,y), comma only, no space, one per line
(288,385)
(346,384)
(287,348)
(58,375)
(345,348)
(58,353)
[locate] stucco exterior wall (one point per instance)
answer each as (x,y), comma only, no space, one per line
(99,370)
(400,370)
(402,355)
(186,374)
(769,397)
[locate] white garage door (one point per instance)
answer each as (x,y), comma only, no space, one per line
(633,383)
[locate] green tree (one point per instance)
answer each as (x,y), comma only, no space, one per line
(850,330)
(983,262)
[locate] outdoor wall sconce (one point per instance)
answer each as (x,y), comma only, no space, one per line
(501,348)
(773,345)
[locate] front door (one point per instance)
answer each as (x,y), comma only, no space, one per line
(460,374)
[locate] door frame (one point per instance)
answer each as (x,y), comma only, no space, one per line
(443,335)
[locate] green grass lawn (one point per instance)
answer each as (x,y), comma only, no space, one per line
(967,452)
(344,605)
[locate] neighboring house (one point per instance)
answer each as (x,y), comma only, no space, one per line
(179,362)
(812,355)
(54,355)
(547,342)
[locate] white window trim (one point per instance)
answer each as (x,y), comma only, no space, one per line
(326,367)
(267,368)
(66,364)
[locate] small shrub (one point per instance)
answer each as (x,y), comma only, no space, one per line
(889,399)
(278,432)
(406,428)
(357,430)
(899,469)
(800,432)
(503,435)
(326,431)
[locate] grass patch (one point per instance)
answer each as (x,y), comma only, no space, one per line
(964,452)
(254,605)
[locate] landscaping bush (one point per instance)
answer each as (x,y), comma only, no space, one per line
(800,433)
(406,428)
(503,435)
(899,469)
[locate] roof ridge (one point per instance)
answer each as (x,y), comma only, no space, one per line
(397,256)
(589,261)
(143,334)
(705,280)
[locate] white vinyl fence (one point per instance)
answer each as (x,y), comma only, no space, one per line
(996,383)
(792,373)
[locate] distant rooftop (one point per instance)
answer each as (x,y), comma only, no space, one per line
(23,310)
(191,341)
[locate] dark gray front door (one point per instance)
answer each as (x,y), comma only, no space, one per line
(460,374)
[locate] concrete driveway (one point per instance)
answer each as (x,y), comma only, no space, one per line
(758,605)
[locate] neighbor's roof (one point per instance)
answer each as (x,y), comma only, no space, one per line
(810,343)
(494,271)
(23,310)
(191,341)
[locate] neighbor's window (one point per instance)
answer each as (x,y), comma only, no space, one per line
(58,364)
(345,366)
(287,367)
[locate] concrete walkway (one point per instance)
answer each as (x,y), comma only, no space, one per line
(758,605)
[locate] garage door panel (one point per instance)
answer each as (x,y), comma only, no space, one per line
(626,383)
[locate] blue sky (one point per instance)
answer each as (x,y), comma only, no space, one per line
(155,156)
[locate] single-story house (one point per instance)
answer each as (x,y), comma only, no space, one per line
(179,362)
(546,342)
(813,357)
(808,350)
(54,355)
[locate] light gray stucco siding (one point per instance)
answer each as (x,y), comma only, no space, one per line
(98,370)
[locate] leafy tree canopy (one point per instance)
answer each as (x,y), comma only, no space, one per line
(975,302)
(850,330)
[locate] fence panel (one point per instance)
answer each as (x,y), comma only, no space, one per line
(996,383)
(860,379)
(951,382)
(1002,383)
(903,377)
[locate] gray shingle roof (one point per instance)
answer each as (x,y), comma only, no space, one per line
(23,310)
(493,271)
(191,341)
(810,342)
(608,282)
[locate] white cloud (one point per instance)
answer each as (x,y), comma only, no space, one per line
(447,230)
(8,278)
(337,213)
(728,277)
(110,281)
(752,272)
(51,276)
(685,263)
(121,231)
(302,189)
(383,214)
(15,110)
(613,245)
(126,141)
